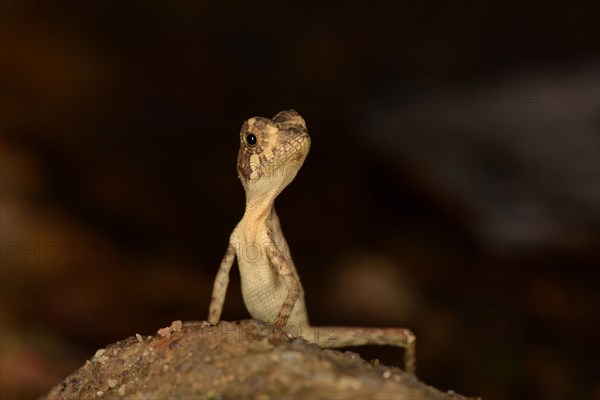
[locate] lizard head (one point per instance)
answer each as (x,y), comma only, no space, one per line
(272,151)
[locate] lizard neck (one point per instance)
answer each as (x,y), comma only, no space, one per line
(259,207)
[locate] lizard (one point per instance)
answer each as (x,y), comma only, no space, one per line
(271,153)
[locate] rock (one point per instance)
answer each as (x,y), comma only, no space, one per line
(234,359)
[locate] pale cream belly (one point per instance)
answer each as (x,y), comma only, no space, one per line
(264,292)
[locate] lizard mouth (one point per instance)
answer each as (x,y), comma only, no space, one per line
(290,154)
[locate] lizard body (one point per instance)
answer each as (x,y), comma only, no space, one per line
(271,154)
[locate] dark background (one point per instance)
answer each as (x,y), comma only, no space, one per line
(453,185)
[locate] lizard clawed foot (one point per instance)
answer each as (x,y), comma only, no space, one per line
(270,331)
(278,334)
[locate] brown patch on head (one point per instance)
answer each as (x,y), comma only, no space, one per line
(289,118)
(266,144)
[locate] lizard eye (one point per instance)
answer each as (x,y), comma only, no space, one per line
(251,139)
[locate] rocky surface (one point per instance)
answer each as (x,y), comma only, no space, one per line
(234,359)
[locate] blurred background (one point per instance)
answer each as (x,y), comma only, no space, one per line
(453,185)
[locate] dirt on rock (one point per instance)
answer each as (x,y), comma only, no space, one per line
(245,359)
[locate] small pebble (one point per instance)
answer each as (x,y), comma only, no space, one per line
(176,326)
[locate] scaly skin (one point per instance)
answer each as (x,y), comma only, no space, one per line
(271,154)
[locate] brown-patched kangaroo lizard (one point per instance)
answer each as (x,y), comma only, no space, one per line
(271,154)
